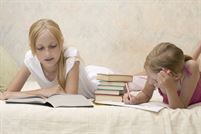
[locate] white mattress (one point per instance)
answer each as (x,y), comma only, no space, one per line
(37,119)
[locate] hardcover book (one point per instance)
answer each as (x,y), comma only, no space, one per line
(110,88)
(113,98)
(114,77)
(58,100)
(109,92)
(106,83)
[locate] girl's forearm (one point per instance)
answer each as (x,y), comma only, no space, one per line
(145,95)
(7,95)
(142,97)
(174,99)
(45,92)
(197,52)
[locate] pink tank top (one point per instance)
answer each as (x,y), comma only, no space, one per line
(196,97)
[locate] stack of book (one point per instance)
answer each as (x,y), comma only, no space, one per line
(111,87)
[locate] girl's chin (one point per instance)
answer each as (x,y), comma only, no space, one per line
(49,64)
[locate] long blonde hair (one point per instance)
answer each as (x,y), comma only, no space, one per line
(35,30)
(166,55)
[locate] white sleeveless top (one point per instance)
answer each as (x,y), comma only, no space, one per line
(86,87)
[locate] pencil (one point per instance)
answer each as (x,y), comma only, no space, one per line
(129,96)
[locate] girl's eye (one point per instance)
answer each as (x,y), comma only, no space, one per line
(53,46)
(40,48)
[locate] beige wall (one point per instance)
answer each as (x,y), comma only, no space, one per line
(113,33)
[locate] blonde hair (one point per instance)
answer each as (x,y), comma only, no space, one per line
(166,55)
(35,30)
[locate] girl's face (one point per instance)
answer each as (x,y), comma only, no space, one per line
(152,78)
(47,49)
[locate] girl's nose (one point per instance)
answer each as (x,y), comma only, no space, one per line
(47,53)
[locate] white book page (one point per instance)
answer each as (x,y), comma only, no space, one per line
(67,100)
(150,106)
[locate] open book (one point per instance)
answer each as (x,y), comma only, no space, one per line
(58,100)
(150,106)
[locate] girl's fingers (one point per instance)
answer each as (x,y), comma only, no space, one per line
(162,74)
(1,96)
(134,100)
(126,99)
(4,95)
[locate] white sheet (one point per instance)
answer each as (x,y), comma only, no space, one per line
(37,119)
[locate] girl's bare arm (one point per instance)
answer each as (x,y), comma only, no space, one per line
(72,79)
(14,88)
(18,82)
(142,97)
(71,85)
(197,51)
(190,82)
(188,86)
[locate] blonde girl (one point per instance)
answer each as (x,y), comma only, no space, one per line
(56,69)
(176,76)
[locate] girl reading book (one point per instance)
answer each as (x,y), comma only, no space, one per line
(176,76)
(56,68)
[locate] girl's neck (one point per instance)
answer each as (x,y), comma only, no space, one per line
(50,70)
(50,73)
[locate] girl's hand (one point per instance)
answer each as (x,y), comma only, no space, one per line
(58,90)
(131,100)
(165,81)
(126,98)
(1,96)
(5,95)
(197,51)
(51,91)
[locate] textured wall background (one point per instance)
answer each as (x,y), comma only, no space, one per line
(113,33)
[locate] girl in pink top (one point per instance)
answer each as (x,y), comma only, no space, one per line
(196,97)
(177,77)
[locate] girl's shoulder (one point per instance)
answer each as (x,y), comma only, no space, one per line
(191,66)
(29,57)
(28,54)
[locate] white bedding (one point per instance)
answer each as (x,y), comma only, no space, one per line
(37,119)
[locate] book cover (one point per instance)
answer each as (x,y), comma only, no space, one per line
(113,98)
(59,100)
(112,83)
(109,88)
(109,92)
(114,77)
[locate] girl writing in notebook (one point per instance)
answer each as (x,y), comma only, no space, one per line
(56,69)
(176,76)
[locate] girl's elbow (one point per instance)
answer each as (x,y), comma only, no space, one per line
(182,106)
